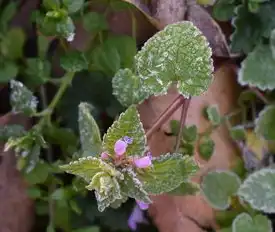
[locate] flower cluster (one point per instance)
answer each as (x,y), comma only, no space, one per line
(120,148)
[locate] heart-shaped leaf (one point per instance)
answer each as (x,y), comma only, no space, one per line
(89,132)
(218,186)
(258,190)
(167,173)
(265,122)
(244,222)
(128,124)
(252,68)
(179,53)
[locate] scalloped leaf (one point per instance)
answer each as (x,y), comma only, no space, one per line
(213,114)
(258,190)
(265,122)
(88,167)
(218,186)
(244,222)
(128,124)
(132,187)
(167,173)
(128,88)
(22,99)
(185,188)
(252,68)
(74,61)
(89,132)
(179,53)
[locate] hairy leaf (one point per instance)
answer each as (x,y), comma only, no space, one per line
(74,62)
(265,122)
(258,190)
(213,114)
(206,147)
(258,223)
(128,124)
(132,187)
(73,5)
(22,99)
(8,131)
(128,88)
(89,132)
(218,186)
(179,53)
(88,167)
(167,173)
(185,188)
(252,68)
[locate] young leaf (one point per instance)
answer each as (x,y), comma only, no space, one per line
(128,124)
(128,88)
(73,5)
(94,22)
(237,133)
(179,53)
(252,67)
(88,167)
(65,28)
(258,190)
(258,223)
(213,114)
(132,187)
(206,147)
(22,99)
(74,62)
(8,71)
(190,133)
(51,4)
(167,173)
(89,132)
(265,122)
(218,186)
(8,131)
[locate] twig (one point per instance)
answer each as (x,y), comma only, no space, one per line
(165,115)
(260,95)
(184,111)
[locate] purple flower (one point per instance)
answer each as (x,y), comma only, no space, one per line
(135,218)
(104,155)
(120,147)
(142,205)
(143,162)
(128,139)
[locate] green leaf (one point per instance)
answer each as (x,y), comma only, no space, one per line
(213,114)
(218,186)
(252,68)
(95,22)
(185,188)
(38,71)
(223,10)
(7,14)
(7,131)
(237,133)
(34,192)
(50,228)
(51,4)
(89,132)
(88,167)
(272,43)
(258,223)
(114,53)
(8,71)
(265,122)
(128,124)
(175,127)
(74,61)
(14,42)
(39,174)
(43,44)
(73,5)
(22,99)
(206,147)
(190,133)
(66,29)
(132,187)
(128,88)
(167,173)
(258,190)
(179,53)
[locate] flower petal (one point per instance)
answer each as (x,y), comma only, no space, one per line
(143,162)
(104,155)
(120,147)
(142,205)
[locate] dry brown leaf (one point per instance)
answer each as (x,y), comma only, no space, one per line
(16,209)
(165,210)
